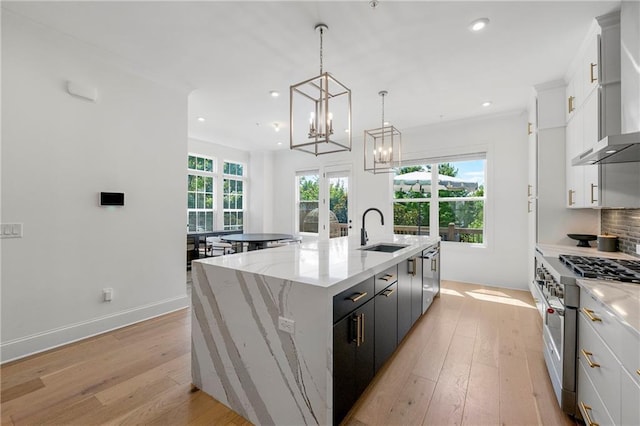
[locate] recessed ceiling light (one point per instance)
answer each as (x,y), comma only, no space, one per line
(386,123)
(611,151)
(279,143)
(201,119)
(276,127)
(346,130)
(479,24)
(486,104)
(274,93)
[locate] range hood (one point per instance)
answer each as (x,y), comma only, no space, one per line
(623,148)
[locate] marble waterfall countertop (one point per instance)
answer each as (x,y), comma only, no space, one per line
(262,324)
(323,263)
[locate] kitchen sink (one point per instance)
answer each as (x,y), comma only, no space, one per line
(383,247)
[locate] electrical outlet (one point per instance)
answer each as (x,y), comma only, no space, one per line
(637,248)
(107,294)
(287,325)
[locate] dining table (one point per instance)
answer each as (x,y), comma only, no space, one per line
(255,241)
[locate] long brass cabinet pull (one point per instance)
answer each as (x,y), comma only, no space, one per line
(433,264)
(388,292)
(593,200)
(362,330)
(358,336)
(593,77)
(587,356)
(529,128)
(571,107)
(571,202)
(586,410)
(528,206)
(387,277)
(357,297)
(529,188)
(589,313)
(638,371)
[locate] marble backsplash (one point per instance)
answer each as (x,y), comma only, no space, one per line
(625,223)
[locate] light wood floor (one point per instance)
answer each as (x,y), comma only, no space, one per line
(475,358)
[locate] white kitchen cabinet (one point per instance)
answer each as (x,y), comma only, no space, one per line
(609,365)
(593,110)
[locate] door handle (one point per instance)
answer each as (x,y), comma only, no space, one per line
(586,410)
(388,292)
(433,264)
(593,200)
(587,356)
(593,78)
(354,298)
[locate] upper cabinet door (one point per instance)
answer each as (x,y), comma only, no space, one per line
(590,66)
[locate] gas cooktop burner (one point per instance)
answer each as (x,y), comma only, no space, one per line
(603,268)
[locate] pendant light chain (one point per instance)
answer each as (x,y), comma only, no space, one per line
(382,94)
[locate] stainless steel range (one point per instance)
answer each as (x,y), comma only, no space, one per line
(557,298)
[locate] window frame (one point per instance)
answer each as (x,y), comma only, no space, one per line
(236,212)
(211,174)
(435,199)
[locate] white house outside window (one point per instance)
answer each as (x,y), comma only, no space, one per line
(455,205)
(200,201)
(233,195)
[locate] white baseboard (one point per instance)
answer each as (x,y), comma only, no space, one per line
(40,342)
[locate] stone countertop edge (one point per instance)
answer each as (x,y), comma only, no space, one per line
(621,299)
(554,250)
(277,262)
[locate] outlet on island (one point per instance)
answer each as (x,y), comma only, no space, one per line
(287,325)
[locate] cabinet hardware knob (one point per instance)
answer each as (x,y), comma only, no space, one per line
(593,78)
(357,297)
(587,356)
(586,410)
(589,313)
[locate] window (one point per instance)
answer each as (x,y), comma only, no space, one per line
(455,206)
(200,204)
(307,196)
(233,189)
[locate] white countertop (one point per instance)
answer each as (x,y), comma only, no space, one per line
(622,299)
(322,262)
(554,250)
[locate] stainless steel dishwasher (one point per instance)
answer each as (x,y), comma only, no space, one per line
(430,275)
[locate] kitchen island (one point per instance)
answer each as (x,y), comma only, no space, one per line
(262,321)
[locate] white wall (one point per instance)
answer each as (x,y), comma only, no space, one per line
(503,262)
(58,153)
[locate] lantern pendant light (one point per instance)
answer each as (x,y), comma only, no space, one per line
(382,146)
(320,112)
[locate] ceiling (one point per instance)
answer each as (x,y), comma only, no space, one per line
(232,54)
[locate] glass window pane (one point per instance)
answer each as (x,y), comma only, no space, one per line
(208,184)
(200,163)
(232,186)
(240,218)
(208,221)
(239,204)
(225,186)
(239,186)
(192,221)
(208,201)
(191,200)
(201,221)
(239,170)
(208,165)
(461,178)
(199,201)
(192,162)
(462,221)
(225,202)
(308,187)
(191,183)
(411,218)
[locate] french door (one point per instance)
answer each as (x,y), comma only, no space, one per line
(324,202)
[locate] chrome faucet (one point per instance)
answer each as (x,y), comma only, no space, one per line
(363,232)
